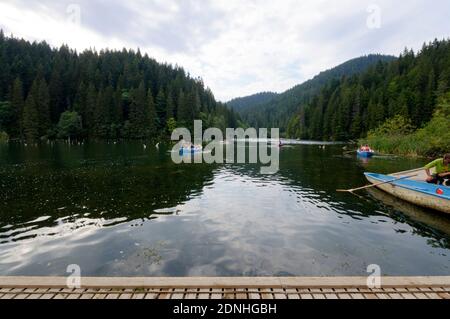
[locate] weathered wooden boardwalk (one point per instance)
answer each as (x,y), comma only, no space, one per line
(225,288)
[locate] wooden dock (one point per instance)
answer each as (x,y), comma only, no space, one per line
(225,288)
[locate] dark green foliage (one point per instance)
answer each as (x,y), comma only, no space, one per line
(279,110)
(69,125)
(397,135)
(112,91)
(347,109)
(4,137)
(240,104)
(161,109)
(31,118)
(139,113)
(17,103)
(7,118)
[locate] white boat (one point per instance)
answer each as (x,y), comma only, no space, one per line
(414,190)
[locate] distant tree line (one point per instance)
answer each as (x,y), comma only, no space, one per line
(59,93)
(278,109)
(349,107)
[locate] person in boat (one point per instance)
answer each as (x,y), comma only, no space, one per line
(442,175)
(365,148)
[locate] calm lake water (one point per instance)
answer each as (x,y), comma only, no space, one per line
(122,210)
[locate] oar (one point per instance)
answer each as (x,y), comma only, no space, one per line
(374,185)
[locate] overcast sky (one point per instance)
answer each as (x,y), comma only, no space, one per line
(239,47)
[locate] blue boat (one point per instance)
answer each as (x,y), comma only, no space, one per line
(188,151)
(365,154)
(414,190)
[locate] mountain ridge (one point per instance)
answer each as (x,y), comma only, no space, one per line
(276,112)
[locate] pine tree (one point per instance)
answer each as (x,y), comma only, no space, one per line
(96,85)
(43,107)
(184,112)
(170,107)
(91,104)
(161,109)
(31,118)
(17,103)
(152,116)
(139,125)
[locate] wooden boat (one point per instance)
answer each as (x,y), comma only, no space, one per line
(414,190)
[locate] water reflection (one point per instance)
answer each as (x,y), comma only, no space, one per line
(123,210)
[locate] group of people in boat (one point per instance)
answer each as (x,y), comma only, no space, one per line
(441,175)
(366,148)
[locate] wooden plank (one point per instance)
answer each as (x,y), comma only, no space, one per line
(420,295)
(383,296)
(292,294)
(204,294)
(279,294)
(191,294)
(444,295)
(266,294)
(279,288)
(74,296)
(229,294)
(408,296)
(241,294)
(138,296)
(217,294)
(178,294)
(432,295)
(37,294)
(165,294)
(86,296)
(223,282)
(151,296)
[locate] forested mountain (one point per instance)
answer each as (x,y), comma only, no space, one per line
(278,111)
(108,94)
(242,103)
(348,108)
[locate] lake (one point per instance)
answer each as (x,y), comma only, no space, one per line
(125,210)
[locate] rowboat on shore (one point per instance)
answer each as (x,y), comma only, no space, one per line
(413,189)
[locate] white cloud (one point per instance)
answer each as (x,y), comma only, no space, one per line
(237,47)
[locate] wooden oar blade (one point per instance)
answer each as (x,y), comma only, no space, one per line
(375,185)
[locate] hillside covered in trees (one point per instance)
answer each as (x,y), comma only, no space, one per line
(242,103)
(278,111)
(409,87)
(47,92)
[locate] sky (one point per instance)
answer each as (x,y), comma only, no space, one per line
(238,47)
